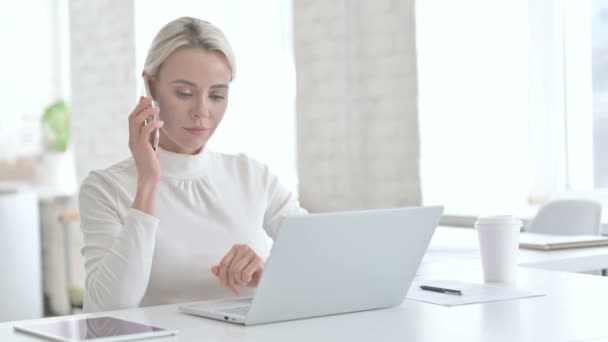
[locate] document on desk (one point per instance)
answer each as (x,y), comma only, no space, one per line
(471,293)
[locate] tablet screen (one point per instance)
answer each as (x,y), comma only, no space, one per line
(90,329)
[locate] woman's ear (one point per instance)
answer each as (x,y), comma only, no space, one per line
(150,80)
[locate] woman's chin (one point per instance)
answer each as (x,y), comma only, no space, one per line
(185,144)
(194,146)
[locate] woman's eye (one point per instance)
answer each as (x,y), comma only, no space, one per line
(217,97)
(182,94)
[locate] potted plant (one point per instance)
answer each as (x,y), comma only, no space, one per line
(58,158)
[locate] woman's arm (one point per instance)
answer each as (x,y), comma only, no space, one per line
(118,255)
(280,203)
(241,266)
(145,197)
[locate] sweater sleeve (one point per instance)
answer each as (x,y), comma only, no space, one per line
(281,203)
(117,254)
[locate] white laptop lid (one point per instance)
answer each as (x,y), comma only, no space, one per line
(323,264)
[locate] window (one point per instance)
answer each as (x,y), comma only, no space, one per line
(585,33)
(473,104)
(25,97)
(599,76)
(516,113)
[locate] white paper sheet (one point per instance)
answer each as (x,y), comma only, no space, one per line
(471,293)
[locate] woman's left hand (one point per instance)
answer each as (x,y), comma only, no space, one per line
(240,267)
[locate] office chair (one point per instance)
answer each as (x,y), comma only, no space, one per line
(568,217)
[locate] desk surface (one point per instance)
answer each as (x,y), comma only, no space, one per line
(572,311)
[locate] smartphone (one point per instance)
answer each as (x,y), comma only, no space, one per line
(156,136)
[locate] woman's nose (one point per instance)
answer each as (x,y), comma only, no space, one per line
(201,109)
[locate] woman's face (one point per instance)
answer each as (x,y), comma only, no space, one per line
(191,89)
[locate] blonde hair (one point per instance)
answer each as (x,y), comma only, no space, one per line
(188,32)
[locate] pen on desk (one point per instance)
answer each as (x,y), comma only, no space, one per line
(441,290)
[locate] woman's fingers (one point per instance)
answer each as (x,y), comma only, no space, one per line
(141,106)
(255,266)
(238,267)
(233,270)
(146,159)
(135,128)
(239,264)
(147,130)
(224,264)
(149,113)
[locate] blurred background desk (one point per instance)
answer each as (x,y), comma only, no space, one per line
(457,249)
(20,253)
(42,270)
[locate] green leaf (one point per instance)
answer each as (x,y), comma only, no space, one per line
(56,119)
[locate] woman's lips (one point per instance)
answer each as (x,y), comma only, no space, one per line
(197,130)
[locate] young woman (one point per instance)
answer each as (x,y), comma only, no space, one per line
(181,223)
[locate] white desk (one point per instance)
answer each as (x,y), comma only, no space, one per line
(457,249)
(573,310)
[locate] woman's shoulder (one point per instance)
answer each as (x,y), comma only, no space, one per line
(119,173)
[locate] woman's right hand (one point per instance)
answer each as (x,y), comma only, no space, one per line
(146,158)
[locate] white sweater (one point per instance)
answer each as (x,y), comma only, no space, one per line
(205,204)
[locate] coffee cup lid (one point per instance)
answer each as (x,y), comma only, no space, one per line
(498,219)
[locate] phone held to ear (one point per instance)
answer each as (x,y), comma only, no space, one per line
(156,137)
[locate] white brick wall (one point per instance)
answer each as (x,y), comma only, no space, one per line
(103,80)
(358,144)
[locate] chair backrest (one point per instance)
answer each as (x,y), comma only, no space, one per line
(568,217)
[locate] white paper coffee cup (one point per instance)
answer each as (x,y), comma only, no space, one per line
(498,243)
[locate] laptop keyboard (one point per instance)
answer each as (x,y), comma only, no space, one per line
(239,310)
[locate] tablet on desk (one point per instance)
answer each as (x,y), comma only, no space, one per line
(96,329)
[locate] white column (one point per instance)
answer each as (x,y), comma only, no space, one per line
(103,81)
(356,104)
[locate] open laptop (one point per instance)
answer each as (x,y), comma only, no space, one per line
(332,263)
